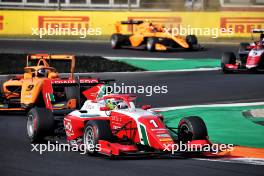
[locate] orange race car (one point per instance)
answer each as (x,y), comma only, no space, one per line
(41,86)
(152,37)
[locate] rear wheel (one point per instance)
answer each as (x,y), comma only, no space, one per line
(40,123)
(191,40)
(94,131)
(261,64)
(1,90)
(192,128)
(151,43)
(1,99)
(117,41)
(227,58)
(1,85)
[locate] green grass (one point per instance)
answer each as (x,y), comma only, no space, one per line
(155,65)
(225,124)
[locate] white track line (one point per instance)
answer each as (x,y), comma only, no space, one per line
(181,70)
(209,105)
(157,71)
(252,161)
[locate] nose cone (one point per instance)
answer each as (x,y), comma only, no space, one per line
(252,61)
(153,133)
(181,41)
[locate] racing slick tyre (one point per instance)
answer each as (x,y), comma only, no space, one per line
(117,41)
(1,97)
(40,123)
(191,128)
(73,92)
(260,68)
(1,90)
(227,58)
(1,85)
(94,131)
(151,42)
(191,40)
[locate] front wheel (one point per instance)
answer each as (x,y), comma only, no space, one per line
(151,44)
(227,58)
(192,128)
(40,123)
(94,131)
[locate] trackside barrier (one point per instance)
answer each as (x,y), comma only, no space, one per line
(22,22)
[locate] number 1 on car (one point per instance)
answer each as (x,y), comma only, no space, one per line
(153,123)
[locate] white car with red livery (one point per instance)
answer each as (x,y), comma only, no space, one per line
(251,56)
(114,126)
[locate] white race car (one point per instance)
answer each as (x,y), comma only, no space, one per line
(113,125)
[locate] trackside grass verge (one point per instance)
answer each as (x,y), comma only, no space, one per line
(173,64)
(225,124)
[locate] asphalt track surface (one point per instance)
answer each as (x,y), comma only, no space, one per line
(184,88)
(104,49)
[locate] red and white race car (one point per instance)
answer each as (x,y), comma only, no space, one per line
(113,125)
(251,56)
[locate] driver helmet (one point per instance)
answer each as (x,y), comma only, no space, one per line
(42,72)
(111,104)
(122,105)
(116,104)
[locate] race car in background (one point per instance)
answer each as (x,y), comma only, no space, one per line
(112,125)
(41,86)
(150,36)
(250,56)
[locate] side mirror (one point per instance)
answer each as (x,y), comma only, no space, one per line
(146,107)
(104,108)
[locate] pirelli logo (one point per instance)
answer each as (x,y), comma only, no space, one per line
(63,22)
(1,23)
(169,22)
(242,24)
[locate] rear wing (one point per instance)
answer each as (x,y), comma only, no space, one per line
(97,90)
(129,22)
(258,30)
(81,81)
(91,88)
(132,22)
(48,57)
